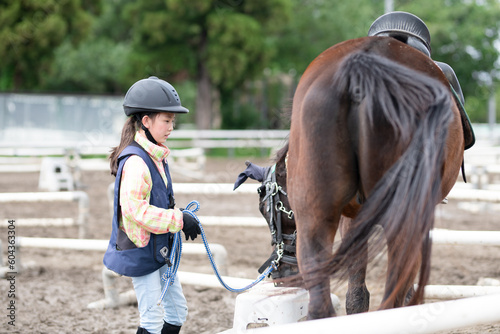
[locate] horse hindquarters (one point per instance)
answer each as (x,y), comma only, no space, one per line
(402,197)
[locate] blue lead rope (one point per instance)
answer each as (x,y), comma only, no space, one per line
(175,259)
(175,255)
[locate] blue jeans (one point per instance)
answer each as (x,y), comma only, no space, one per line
(173,308)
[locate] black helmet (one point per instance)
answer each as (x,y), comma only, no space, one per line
(395,24)
(152,95)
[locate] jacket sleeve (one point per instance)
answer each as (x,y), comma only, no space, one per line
(137,213)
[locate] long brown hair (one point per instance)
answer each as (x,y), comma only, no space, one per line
(131,126)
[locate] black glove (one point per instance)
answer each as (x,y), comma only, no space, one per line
(191,228)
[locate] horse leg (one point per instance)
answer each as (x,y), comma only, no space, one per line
(320,303)
(358,296)
(317,214)
(309,256)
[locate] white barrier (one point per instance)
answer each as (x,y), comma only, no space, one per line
(421,319)
(215,188)
(219,253)
(474,195)
(451,237)
(113,299)
(40,222)
(232,221)
(458,291)
(28,168)
(268,305)
(488,281)
(64,196)
(55,175)
(228,138)
(210,189)
(482,175)
(458,193)
(63,243)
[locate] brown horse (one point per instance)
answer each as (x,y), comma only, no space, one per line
(375,136)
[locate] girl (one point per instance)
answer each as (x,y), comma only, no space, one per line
(144,214)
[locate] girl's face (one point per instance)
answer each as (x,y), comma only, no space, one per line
(160,126)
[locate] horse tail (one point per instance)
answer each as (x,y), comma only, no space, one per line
(417,109)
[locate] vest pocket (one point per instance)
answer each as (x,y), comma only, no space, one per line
(162,245)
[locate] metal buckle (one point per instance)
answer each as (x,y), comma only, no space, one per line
(279,251)
(281,207)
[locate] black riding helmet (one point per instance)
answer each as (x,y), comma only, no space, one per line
(403,26)
(152,95)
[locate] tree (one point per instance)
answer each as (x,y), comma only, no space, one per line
(96,64)
(31,30)
(463,34)
(218,43)
(318,24)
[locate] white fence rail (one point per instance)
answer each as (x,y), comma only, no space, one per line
(113,299)
(421,319)
(180,139)
(450,237)
(447,292)
(63,196)
(458,193)
(219,252)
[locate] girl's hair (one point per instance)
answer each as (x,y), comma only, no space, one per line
(131,126)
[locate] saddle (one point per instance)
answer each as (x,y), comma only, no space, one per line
(469,136)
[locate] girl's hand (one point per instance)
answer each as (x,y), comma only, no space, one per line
(191,228)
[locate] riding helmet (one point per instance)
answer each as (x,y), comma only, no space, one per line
(397,24)
(152,95)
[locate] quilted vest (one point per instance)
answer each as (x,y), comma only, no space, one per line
(122,255)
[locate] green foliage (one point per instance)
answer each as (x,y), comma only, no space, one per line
(187,93)
(238,115)
(240,43)
(97,64)
(31,30)
(259,104)
(232,40)
(316,25)
(464,34)
(238,152)
(94,66)
(229,37)
(86,46)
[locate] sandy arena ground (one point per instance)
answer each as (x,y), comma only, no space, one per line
(53,292)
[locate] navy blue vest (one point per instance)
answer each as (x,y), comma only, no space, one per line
(122,256)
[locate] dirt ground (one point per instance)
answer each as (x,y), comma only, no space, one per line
(54,289)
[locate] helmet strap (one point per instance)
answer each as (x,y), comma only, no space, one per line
(146,130)
(148,135)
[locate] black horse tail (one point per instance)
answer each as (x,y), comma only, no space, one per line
(415,110)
